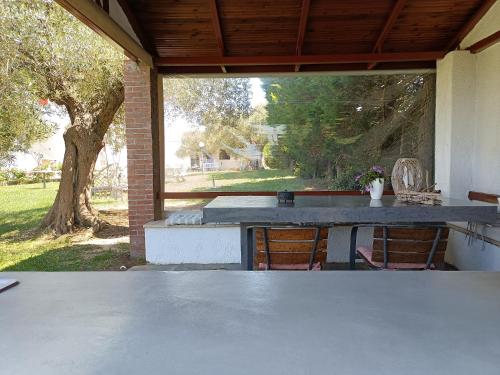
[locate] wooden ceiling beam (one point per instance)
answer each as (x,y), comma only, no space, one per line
(485,43)
(300,60)
(136,26)
(98,20)
(469,25)
(218,30)
(389,23)
(304,13)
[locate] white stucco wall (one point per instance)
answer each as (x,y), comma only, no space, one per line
(468,133)
(203,244)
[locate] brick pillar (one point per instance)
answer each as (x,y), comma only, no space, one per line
(144,130)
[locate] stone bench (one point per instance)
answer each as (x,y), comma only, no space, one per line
(182,238)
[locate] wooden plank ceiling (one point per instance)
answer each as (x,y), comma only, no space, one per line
(257,36)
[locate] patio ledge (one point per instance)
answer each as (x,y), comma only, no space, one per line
(185,219)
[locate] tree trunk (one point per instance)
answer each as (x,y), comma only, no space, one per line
(83,141)
(72,204)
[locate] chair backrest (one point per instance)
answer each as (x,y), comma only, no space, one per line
(410,245)
(275,246)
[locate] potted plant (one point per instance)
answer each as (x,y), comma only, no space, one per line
(372,181)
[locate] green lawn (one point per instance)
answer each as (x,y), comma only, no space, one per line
(263,180)
(25,248)
(258,180)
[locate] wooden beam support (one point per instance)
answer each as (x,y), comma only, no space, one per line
(389,23)
(218,30)
(304,13)
(483,197)
(484,43)
(136,26)
(98,20)
(469,25)
(300,60)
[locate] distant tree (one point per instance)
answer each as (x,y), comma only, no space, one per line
(69,64)
(21,114)
(219,110)
(338,124)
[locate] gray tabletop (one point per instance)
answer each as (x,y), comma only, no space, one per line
(342,209)
(216,322)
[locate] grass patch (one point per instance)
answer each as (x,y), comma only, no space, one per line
(23,247)
(263,180)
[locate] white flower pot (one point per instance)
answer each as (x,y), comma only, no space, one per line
(377,188)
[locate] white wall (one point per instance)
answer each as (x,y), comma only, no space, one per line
(204,244)
(468,133)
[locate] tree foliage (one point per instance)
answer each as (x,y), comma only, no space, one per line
(219,110)
(337,124)
(66,62)
(21,115)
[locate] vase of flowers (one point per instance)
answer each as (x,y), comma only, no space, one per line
(372,181)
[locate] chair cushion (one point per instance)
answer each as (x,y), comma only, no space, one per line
(185,218)
(366,253)
(291,267)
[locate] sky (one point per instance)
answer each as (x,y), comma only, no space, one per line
(258,94)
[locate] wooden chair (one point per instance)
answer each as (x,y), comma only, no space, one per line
(290,248)
(406,248)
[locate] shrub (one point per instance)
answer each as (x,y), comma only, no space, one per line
(345,181)
(271,156)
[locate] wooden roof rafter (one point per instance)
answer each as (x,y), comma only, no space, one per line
(136,26)
(389,24)
(469,25)
(252,37)
(218,30)
(300,60)
(95,17)
(304,12)
(104,4)
(485,43)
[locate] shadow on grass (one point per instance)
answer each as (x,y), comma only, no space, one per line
(21,220)
(112,231)
(75,257)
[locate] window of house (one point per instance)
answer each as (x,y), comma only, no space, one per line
(223,155)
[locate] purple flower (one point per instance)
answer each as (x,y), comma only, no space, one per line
(378,169)
(367,188)
(357,177)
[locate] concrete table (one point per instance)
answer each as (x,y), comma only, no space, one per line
(252,210)
(239,323)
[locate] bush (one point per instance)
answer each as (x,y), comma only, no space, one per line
(270,153)
(345,181)
(18,177)
(3,178)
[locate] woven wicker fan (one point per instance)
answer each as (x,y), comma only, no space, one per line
(407,175)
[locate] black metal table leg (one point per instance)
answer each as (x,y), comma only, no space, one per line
(352,249)
(247,245)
